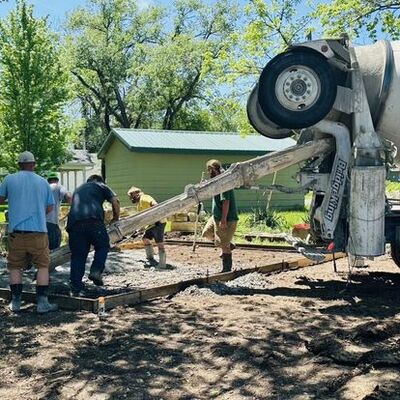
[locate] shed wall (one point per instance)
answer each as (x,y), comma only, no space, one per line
(165,175)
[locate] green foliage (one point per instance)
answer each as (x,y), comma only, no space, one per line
(293,217)
(283,220)
(270,218)
(33,91)
(134,68)
(392,188)
(355,17)
(268,28)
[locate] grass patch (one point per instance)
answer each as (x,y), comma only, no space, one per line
(295,217)
(392,187)
(249,222)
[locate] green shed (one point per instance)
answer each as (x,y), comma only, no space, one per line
(163,162)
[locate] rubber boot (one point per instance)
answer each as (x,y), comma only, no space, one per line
(150,254)
(162,259)
(16,297)
(232,246)
(226,262)
(43,305)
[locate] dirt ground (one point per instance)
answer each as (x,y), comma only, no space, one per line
(303,334)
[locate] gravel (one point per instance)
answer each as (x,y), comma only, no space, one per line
(239,286)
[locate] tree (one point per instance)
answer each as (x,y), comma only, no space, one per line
(356,17)
(134,68)
(183,70)
(33,91)
(268,28)
(104,42)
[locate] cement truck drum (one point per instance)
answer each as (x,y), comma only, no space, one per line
(297,89)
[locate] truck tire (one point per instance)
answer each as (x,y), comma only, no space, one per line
(260,123)
(297,89)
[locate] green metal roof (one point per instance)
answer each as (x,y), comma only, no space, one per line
(164,141)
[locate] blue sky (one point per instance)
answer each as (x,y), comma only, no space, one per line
(55,9)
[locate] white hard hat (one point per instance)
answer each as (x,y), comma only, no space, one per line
(26,157)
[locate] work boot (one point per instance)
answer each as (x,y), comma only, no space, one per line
(232,246)
(162,259)
(226,262)
(43,305)
(96,278)
(149,252)
(16,297)
(75,292)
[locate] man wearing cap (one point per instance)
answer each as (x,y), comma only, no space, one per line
(222,225)
(156,231)
(60,193)
(29,200)
(86,228)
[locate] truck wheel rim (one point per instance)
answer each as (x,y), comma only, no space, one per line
(297,88)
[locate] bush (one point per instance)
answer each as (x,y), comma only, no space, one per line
(269,218)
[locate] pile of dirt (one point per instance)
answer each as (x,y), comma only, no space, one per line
(254,280)
(196,291)
(238,286)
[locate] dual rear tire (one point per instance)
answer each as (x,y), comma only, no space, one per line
(296,90)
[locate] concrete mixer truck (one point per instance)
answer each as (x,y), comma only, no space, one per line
(329,88)
(343,104)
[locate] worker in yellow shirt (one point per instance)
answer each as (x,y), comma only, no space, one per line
(156,231)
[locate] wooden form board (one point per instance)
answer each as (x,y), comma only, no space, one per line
(64,302)
(262,247)
(141,296)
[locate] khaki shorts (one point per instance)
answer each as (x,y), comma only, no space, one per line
(221,237)
(26,247)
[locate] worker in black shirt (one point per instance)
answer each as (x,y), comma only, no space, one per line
(86,228)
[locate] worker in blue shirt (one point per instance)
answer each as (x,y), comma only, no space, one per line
(29,200)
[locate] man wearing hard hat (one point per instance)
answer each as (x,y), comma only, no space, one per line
(29,199)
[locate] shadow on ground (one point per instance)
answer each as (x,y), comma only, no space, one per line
(303,342)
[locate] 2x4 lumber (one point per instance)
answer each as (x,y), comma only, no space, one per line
(252,246)
(64,302)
